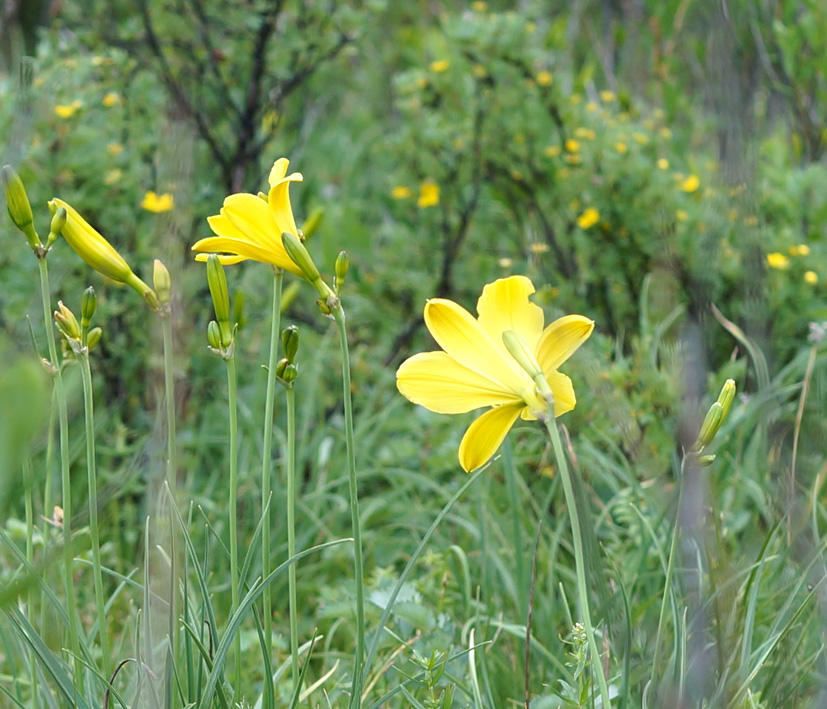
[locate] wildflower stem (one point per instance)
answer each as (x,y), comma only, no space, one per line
(63,417)
(267,461)
(579,561)
(92,480)
(29,503)
(169,396)
(358,666)
(234,581)
(291,533)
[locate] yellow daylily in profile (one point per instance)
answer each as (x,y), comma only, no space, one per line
(475,368)
(249,227)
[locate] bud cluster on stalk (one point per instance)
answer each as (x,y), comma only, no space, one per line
(712,423)
(286,369)
(220,332)
(79,338)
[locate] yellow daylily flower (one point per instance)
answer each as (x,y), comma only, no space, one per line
(476,370)
(249,227)
(157,203)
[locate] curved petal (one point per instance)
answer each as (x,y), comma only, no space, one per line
(461,336)
(252,215)
(222,226)
(223,259)
(438,382)
(504,305)
(561,339)
(278,173)
(561,387)
(246,249)
(486,434)
(279,199)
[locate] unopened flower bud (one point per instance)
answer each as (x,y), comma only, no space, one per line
(340,269)
(726,397)
(710,426)
(290,342)
(93,337)
(705,461)
(323,307)
(17,201)
(288,376)
(162,282)
(518,349)
(56,226)
(217,281)
(88,304)
(67,322)
(300,256)
(281,365)
(313,222)
(214,335)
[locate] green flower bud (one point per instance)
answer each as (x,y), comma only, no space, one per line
(290,342)
(93,337)
(710,426)
(17,201)
(214,335)
(300,256)
(56,226)
(67,322)
(518,349)
(726,397)
(161,281)
(340,270)
(323,307)
(88,304)
(288,376)
(281,365)
(217,281)
(704,461)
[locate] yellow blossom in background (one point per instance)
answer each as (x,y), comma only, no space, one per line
(800,250)
(640,138)
(68,110)
(505,262)
(401,192)
(622,148)
(663,163)
(428,194)
(110,99)
(479,6)
(573,159)
(114,148)
(440,65)
(156,203)
(545,78)
(112,177)
(690,184)
(665,133)
(588,218)
(538,247)
(591,107)
(552,151)
(572,145)
(584,133)
(811,277)
(249,227)
(607,96)
(475,370)
(777,260)
(681,215)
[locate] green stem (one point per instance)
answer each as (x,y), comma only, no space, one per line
(169,396)
(266,467)
(91,476)
(29,503)
(63,417)
(579,561)
(291,533)
(358,662)
(234,581)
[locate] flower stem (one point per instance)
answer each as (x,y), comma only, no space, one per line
(234,581)
(169,396)
(92,480)
(29,503)
(358,662)
(266,465)
(291,533)
(579,561)
(63,417)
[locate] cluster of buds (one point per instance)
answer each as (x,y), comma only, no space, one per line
(328,299)
(287,370)
(220,333)
(713,420)
(78,337)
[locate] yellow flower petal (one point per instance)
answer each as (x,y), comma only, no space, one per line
(461,336)
(504,305)
(486,434)
(251,216)
(223,259)
(279,200)
(247,249)
(438,382)
(560,341)
(563,390)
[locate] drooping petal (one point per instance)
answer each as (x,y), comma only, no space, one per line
(486,434)
(246,249)
(461,336)
(504,305)
(279,199)
(278,173)
(563,390)
(561,339)
(439,383)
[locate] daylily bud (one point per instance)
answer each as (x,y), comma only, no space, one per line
(300,256)
(312,223)
(17,201)
(710,426)
(93,337)
(67,322)
(340,269)
(323,307)
(281,365)
(518,349)
(88,304)
(286,372)
(214,335)
(726,397)
(705,461)
(58,222)
(217,281)
(290,342)
(162,282)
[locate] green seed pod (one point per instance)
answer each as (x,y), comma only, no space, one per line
(290,342)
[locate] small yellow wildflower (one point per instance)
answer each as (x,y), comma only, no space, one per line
(663,164)
(545,78)
(681,215)
(800,250)
(479,6)
(552,151)
(68,110)
(505,262)
(690,184)
(584,133)
(113,177)
(538,247)
(428,194)
(97,61)
(401,192)
(811,277)
(114,149)
(621,147)
(588,218)
(156,203)
(572,145)
(777,260)
(110,99)
(640,138)
(665,133)
(591,107)
(607,96)
(440,65)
